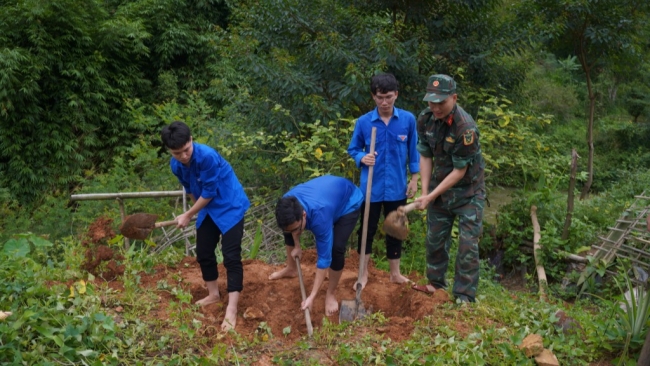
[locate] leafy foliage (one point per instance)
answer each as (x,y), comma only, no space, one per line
(598,33)
(636,100)
(57,323)
(590,217)
(552,87)
(181,45)
(66,70)
(275,86)
(510,144)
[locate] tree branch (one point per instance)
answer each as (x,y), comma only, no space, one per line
(541,273)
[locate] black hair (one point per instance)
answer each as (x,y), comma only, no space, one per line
(383,83)
(287,211)
(176,135)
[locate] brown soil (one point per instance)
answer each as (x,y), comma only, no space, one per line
(99,258)
(279,301)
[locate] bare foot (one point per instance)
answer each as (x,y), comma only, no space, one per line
(398,278)
(210,299)
(331,305)
(230,320)
(284,273)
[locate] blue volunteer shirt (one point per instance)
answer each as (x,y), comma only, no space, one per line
(396,147)
(325,200)
(211,176)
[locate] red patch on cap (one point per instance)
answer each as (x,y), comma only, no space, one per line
(435,83)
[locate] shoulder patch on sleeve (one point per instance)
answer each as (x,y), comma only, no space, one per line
(468,137)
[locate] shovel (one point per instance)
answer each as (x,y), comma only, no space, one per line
(353,309)
(396,223)
(139,226)
(310,329)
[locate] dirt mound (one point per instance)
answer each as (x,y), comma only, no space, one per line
(99,259)
(278,302)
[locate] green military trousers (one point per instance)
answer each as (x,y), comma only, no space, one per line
(440,220)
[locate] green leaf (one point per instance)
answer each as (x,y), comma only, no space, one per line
(40,242)
(16,248)
(48,333)
(256,242)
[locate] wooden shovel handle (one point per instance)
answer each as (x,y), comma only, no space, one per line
(366,212)
(310,329)
(408,208)
(170,222)
(165,223)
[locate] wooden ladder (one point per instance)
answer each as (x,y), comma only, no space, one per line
(629,238)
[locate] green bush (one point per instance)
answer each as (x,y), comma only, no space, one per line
(49,322)
(591,217)
(550,88)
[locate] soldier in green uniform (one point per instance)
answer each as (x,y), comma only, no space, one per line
(453,185)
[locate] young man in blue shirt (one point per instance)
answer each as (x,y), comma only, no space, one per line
(220,202)
(328,206)
(395,149)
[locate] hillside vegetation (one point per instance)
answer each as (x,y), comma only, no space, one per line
(276,87)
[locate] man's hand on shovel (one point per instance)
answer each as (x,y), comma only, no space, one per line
(307,303)
(422,202)
(369,159)
(183,220)
(296,252)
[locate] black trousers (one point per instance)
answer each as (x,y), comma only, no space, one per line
(207,238)
(343,228)
(393,245)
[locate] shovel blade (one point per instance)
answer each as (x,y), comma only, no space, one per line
(351,310)
(138,226)
(396,225)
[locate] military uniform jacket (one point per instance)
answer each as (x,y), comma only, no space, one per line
(452,142)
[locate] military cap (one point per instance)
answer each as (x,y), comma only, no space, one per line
(439,87)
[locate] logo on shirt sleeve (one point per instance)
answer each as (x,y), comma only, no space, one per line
(468,137)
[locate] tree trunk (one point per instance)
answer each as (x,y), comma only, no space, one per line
(570,198)
(613,90)
(590,138)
